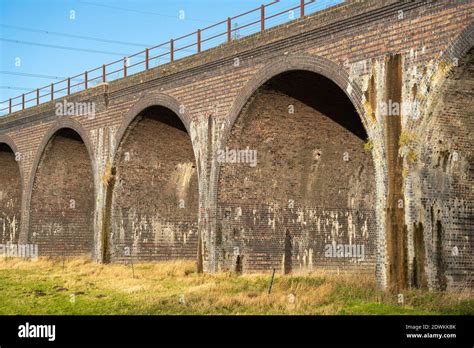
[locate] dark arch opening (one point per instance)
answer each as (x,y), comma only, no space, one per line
(10,195)
(62,198)
(313,179)
(154,201)
(322,94)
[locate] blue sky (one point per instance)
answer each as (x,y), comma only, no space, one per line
(135,23)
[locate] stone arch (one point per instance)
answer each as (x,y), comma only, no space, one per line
(11,198)
(71,243)
(124,211)
(327,70)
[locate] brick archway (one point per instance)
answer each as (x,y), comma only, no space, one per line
(319,65)
(163,100)
(4,138)
(60,125)
(329,70)
(148,100)
(12,190)
(160,119)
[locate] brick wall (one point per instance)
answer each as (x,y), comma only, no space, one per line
(62,200)
(155,193)
(209,92)
(312,184)
(440,185)
(10,196)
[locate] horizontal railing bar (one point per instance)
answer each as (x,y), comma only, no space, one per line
(213,37)
(113,72)
(214,25)
(161,55)
(185,36)
(185,47)
(85,79)
(248,25)
(136,54)
(255,10)
(138,63)
(78,84)
(60,90)
(160,45)
(283,12)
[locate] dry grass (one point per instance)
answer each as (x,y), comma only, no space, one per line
(79,286)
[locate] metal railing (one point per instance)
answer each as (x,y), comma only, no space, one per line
(256,20)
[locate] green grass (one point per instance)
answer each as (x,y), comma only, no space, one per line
(83,287)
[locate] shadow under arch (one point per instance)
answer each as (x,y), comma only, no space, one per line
(68,126)
(10,145)
(160,109)
(315,64)
(6,139)
(322,67)
(147,101)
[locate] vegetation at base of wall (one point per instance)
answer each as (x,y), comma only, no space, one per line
(83,287)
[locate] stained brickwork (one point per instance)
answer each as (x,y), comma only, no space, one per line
(212,92)
(10,195)
(62,200)
(311,179)
(155,191)
(441,182)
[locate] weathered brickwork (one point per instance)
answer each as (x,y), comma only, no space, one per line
(10,195)
(155,190)
(441,181)
(311,181)
(222,98)
(62,198)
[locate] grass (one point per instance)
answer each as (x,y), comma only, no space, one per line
(82,287)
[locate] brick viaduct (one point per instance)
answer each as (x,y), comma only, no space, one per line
(151,174)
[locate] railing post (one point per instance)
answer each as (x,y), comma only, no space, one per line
(262,17)
(23,101)
(229,29)
(103,73)
(68,86)
(85,80)
(147,55)
(124,66)
(52,91)
(172,50)
(10,106)
(37,96)
(302,7)
(199,41)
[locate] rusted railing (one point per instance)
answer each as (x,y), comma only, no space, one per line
(192,43)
